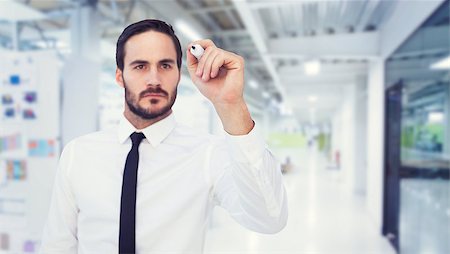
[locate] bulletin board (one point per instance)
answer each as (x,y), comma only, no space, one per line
(29,146)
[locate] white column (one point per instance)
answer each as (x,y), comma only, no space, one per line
(81,76)
(375,140)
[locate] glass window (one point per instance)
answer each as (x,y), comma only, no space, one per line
(421,68)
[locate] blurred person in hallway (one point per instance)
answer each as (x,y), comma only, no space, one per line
(102,203)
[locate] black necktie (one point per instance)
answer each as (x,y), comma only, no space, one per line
(127,233)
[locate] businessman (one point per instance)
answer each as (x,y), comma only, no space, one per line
(150,185)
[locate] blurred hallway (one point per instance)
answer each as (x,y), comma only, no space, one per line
(324,217)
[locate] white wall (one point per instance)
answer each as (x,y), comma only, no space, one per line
(375,140)
(336,137)
(349,136)
(343,140)
(361,116)
(81,82)
(348,131)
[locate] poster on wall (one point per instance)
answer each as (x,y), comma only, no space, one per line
(41,148)
(17,106)
(18,90)
(3,177)
(18,72)
(30,97)
(10,142)
(16,170)
(7,100)
(11,113)
(29,246)
(4,242)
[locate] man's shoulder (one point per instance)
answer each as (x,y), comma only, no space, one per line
(98,137)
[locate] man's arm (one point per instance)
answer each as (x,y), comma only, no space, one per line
(60,232)
(249,182)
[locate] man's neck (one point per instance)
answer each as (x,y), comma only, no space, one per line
(140,123)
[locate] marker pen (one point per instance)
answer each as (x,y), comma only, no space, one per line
(197,51)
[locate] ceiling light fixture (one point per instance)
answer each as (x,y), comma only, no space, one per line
(435,117)
(312,67)
(312,98)
(443,64)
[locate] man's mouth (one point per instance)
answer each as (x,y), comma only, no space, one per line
(153,95)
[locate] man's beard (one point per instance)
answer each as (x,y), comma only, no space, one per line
(133,102)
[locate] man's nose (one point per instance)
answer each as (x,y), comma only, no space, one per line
(153,77)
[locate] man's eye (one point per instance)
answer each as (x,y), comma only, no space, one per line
(166,66)
(139,67)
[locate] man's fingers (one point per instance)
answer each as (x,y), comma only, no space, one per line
(212,60)
(216,64)
(208,65)
(204,43)
(202,61)
(191,63)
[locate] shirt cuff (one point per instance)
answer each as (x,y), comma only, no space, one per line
(247,148)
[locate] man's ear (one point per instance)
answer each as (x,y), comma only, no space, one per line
(119,77)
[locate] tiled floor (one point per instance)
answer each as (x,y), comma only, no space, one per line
(324,218)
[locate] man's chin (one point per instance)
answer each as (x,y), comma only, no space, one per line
(152,115)
(152,112)
(154,107)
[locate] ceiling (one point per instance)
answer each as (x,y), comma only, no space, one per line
(276,38)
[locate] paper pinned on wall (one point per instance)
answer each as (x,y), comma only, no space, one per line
(3,176)
(29,114)
(30,97)
(10,142)
(41,148)
(16,170)
(29,246)
(7,99)
(4,241)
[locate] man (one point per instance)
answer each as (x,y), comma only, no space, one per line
(158,196)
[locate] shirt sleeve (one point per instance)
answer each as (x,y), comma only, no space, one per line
(248,183)
(60,231)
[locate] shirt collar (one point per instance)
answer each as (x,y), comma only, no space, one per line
(154,133)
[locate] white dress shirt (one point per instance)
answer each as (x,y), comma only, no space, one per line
(182,175)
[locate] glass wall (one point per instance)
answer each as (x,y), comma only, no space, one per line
(421,68)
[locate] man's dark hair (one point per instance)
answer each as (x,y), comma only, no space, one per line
(141,27)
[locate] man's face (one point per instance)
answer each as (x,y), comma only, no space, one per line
(150,74)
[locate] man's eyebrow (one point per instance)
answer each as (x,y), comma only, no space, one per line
(136,62)
(167,60)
